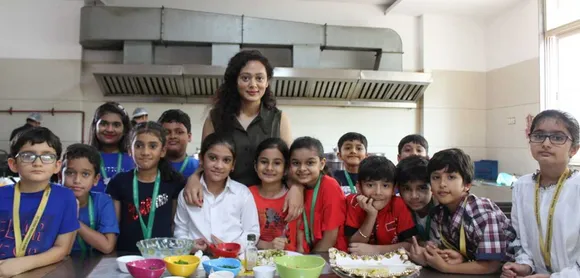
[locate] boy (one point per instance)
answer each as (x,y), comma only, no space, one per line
(413,144)
(97,219)
(352,149)
(38,220)
(474,226)
(414,187)
(178,126)
(377,222)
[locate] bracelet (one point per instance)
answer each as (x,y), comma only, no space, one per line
(360,233)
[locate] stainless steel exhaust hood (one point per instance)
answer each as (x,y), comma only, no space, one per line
(138,29)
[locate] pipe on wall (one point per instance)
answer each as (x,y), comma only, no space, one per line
(53,112)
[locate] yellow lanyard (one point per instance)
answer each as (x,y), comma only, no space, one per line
(20,244)
(462,240)
(545,247)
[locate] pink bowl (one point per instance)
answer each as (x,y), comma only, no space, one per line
(148,268)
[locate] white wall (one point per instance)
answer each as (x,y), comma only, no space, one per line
(513,85)
(40,29)
(512,37)
(453,43)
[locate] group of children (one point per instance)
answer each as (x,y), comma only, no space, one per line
(127,185)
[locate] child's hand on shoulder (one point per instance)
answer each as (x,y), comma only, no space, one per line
(279,243)
(366,204)
(361,249)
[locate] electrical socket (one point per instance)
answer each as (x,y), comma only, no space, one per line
(511,120)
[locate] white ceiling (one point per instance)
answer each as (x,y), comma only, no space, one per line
(479,8)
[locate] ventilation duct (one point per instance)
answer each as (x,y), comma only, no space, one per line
(137,30)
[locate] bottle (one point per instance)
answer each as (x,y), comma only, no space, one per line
(251,253)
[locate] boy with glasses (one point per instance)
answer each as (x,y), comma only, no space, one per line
(38,220)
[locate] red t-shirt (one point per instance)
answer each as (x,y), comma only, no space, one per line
(394,222)
(329,212)
(272,219)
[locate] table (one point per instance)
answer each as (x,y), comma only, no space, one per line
(79,266)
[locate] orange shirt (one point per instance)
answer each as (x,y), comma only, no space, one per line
(329,212)
(394,222)
(272,219)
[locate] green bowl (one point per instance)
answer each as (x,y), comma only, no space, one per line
(299,266)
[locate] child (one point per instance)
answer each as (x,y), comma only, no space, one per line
(377,221)
(97,219)
(352,148)
(108,134)
(271,160)
(38,220)
(473,226)
(229,212)
(324,206)
(548,200)
(414,187)
(413,144)
(178,126)
(145,198)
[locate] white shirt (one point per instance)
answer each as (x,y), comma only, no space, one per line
(565,249)
(230,216)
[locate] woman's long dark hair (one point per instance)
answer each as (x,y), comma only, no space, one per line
(110,107)
(227,103)
(168,174)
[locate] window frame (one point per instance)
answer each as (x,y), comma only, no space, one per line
(550,65)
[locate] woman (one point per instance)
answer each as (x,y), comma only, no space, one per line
(246,109)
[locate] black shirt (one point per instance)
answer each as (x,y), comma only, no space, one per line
(265,125)
(121,189)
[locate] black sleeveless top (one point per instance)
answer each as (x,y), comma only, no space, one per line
(265,125)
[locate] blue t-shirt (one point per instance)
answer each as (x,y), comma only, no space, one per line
(105,218)
(111,162)
(59,217)
(190,168)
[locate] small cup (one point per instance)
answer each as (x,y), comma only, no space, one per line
(122,262)
(221,274)
(264,271)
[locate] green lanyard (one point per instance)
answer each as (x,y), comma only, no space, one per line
(106,178)
(309,226)
(350,183)
(424,232)
(91,223)
(147,230)
(184,165)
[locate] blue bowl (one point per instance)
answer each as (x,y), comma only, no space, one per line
(218,264)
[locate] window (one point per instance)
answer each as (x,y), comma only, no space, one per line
(562,58)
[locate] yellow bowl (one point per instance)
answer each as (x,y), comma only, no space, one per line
(181,269)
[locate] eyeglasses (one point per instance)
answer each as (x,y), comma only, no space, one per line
(556,139)
(30,157)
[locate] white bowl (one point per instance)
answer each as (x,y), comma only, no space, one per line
(122,262)
(221,274)
(264,271)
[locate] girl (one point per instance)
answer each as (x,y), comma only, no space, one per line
(108,132)
(145,198)
(228,213)
(324,204)
(270,163)
(545,203)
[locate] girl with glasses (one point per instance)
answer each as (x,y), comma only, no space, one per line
(545,203)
